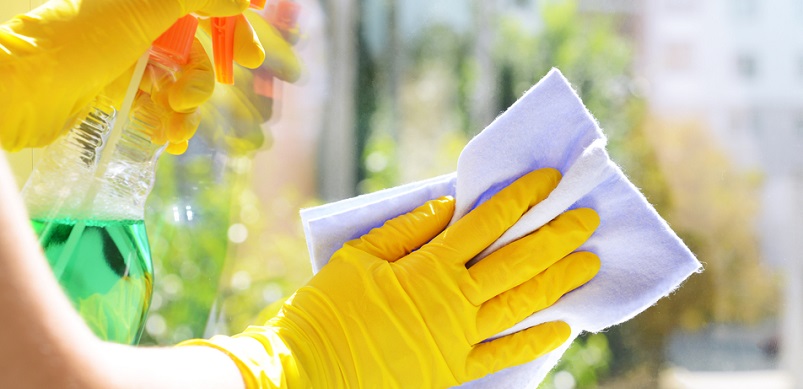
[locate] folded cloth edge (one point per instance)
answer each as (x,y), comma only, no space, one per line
(553,80)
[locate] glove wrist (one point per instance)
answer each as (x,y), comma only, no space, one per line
(287,352)
(313,346)
(262,357)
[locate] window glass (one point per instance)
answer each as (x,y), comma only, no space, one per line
(393,90)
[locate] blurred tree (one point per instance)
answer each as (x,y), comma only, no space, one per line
(430,103)
(187,220)
(583,364)
(713,207)
(337,151)
(587,50)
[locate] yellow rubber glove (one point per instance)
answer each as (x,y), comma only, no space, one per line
(235,114)
(387,312)
(55,59)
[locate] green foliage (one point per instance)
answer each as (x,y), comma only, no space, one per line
(188,254)
(587,50)
(430,102)
(712,206)
(583,365)
(366,106)
(380,169)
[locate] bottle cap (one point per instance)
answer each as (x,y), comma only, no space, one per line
(177,40)
(223,44)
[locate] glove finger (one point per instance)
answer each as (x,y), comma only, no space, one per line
(177,148)
(515,349)
(182,126)
(248,51)
(401,235)
(280,58)
(537,293)
(195,83)
(291,35)
(523,259)
(486,223)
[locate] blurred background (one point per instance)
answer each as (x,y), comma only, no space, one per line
(702,102)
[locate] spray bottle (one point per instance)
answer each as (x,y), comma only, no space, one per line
(86,197)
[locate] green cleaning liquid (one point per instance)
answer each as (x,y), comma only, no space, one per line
(105,268)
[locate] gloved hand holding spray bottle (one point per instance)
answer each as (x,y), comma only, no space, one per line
(87,196)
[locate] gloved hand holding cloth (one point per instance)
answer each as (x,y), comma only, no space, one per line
(66,52)
(399,308)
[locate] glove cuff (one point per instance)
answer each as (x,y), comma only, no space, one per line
(267,360)
(263,363)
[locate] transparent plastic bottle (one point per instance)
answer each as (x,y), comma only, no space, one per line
(129,175)
(103,265)
(90,216)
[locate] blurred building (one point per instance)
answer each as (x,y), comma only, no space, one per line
(735,67)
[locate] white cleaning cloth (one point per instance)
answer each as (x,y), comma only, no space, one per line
(642,258)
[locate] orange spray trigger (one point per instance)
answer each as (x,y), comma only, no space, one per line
(223,44)
(223,48)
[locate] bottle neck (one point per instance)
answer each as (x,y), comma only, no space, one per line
(131,170)
(88,136)
(145,121)
(143,137)
(59,183)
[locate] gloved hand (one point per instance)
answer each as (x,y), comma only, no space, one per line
(234,115)
(55,59)
(389,312)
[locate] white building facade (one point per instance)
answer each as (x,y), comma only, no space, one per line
(736,68)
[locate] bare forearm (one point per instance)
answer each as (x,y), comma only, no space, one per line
(164,368)
(45,344)
(39,331)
